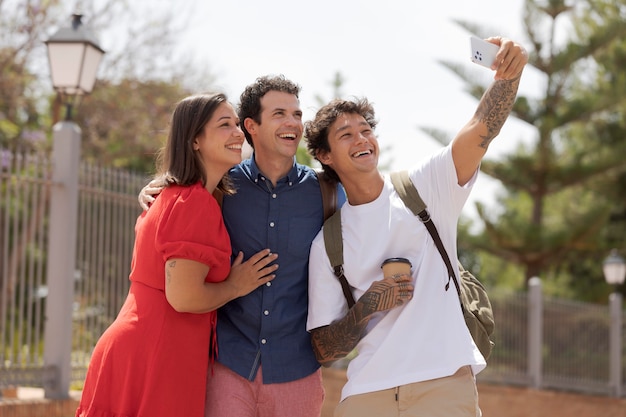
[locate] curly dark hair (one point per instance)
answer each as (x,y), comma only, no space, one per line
(316,130)
(250,99)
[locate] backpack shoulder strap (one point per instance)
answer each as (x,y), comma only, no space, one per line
(411,198)
(333,241)
(409,195)
(328,187)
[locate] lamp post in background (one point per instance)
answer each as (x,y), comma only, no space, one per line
(614,268)
(74,57)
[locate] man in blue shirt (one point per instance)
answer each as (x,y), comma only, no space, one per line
(266,363)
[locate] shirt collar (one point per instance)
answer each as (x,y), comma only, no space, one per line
(292,176)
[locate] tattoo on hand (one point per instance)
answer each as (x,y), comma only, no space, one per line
(371,301)
(380,297)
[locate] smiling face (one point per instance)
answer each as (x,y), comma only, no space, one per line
(353,146)
(220,142)
(279,132)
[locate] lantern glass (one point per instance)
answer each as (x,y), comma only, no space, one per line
(74,59)
(614,268)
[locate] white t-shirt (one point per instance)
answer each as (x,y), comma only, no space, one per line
(427,337)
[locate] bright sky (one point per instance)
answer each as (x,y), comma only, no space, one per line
(385,50)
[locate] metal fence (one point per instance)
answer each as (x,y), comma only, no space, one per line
(570,349)
(542,343)
(23,206)
(107,211)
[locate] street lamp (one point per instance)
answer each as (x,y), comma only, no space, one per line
(614,268)
(74,57)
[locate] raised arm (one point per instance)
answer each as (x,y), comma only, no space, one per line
(338,339)
(471,143)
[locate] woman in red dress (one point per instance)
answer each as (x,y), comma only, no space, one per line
(153,361)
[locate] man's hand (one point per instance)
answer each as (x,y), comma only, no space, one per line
(510,59)
(148,193)
(386,294)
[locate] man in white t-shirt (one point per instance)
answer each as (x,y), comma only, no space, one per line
(415,353)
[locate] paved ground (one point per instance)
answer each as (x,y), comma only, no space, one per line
(501,401)
(495,401)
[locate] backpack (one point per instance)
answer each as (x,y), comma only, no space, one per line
(473,297)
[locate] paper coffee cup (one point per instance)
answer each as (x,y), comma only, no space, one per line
(396,266)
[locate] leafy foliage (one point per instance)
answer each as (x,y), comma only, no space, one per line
(125,118)
(124,123)
(565,192)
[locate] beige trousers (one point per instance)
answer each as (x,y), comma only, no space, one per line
(452,396)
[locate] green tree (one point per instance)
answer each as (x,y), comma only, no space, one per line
(558,199)
(125,123)
(138,79)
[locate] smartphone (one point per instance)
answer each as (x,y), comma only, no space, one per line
(483,52)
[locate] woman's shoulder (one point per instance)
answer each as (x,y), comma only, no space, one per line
(176,196)
(187,192)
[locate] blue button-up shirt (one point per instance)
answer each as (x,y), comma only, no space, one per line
(268,326)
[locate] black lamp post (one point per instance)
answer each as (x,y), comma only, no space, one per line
(74,57)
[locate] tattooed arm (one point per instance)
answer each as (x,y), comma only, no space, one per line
(470,145)
(337,340)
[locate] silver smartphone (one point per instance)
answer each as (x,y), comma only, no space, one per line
(483,52)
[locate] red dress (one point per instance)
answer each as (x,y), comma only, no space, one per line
(153,361)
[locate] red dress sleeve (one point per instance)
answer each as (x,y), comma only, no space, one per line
(191,227)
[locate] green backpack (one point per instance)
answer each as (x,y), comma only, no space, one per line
(475,303)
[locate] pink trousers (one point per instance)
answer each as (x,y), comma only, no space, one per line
(230,395)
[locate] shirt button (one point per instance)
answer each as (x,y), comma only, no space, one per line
(268,284)
(273,195)
(271,224)
(263,341)
(266,312)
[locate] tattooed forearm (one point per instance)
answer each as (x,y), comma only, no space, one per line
(495,106)
(337,340)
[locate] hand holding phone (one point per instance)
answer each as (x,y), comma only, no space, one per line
(483,52)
